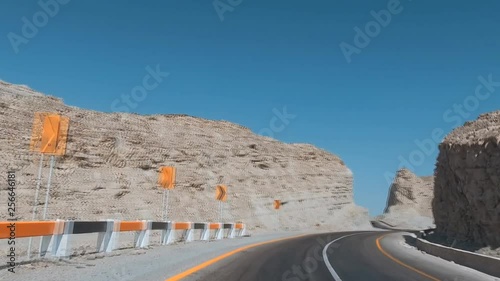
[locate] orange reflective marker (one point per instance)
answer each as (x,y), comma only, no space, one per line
(221,193)
(62,137)
(277,204)
(36,134)
(50,134)
(167,177)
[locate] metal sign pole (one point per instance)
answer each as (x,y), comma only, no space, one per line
(163,205)
(278,219)
(37,191)
(166,205)
(220,211)
(52,162)
(49,182)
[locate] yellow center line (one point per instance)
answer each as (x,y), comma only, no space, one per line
(402,263)
(226,255)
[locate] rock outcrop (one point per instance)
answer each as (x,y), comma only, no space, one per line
(112,160)
(410,191)
(467,190)
(409,203)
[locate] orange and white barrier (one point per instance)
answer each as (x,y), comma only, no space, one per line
(57,235)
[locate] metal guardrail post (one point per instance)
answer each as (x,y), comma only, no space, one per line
(61,244)
(168,234)
(219,234)
(142,237)
(205,233)
(232,231)
(188,234)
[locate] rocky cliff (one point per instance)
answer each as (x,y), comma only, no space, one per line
(411,191)
(466,203)
(111,165)
(409,201)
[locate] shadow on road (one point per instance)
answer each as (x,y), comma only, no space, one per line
(410,240)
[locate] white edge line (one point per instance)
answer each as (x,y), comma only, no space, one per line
(327,262)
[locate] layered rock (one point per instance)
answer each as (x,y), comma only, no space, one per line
(467,189)
(409,203)
(410,191)
(112,160)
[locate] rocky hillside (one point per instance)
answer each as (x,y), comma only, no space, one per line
(411,191)
(110,169)
(409,204)
(467,190)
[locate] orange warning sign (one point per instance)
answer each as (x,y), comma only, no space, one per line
(277,204)
(221,193)
(167,177)
(50,134)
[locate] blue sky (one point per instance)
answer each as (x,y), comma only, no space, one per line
(261,55)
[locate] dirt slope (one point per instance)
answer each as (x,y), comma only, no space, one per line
(110,169)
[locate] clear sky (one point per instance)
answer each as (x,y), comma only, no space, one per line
(238,60)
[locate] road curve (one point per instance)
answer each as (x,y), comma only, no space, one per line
(349,256)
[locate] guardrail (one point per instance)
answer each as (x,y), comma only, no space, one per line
(486,264)
(56,235)
(381,224)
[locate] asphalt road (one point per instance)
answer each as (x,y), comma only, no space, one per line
(355,256)
(352,258)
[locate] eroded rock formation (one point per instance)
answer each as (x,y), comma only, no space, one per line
(467,189)
(110,169)
(409,203)
(411,191)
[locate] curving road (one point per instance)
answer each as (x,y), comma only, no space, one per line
(351,256)
(355,256)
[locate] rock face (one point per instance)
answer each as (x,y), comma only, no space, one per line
(467,191)
(409,202)
(110,169)
(411,191)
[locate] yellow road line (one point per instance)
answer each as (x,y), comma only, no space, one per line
(226,255)
(402,263)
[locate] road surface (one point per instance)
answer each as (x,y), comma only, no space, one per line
(278,256)
(371,256)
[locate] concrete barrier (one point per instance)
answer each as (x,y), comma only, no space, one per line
(57,235)
(486,264)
